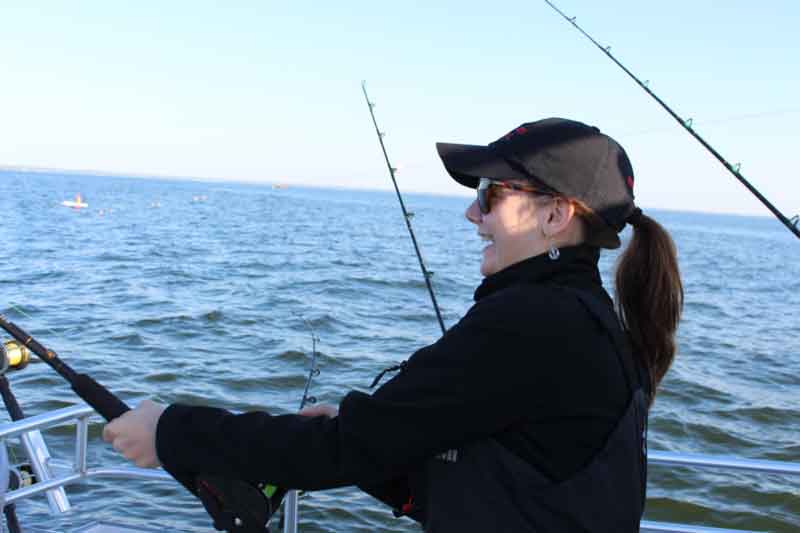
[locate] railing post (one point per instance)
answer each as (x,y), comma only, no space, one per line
(81,443)
(39,455)
(290,512)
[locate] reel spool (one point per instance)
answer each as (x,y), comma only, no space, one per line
(21,476)
(13,356)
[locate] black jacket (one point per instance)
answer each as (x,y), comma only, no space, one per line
(529,372)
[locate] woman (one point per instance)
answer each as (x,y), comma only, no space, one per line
(529,414)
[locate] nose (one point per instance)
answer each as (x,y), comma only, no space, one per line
(473,212)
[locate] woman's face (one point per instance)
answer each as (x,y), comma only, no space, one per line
(512,228)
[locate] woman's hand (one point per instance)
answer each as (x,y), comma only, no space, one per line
(320,410)
(134,434)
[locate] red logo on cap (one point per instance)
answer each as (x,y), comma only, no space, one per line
(630,182)
(519,131)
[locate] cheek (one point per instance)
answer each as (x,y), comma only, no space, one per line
(521,220)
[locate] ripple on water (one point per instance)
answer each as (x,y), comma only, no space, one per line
(762,415)
(161,377)
(129,339)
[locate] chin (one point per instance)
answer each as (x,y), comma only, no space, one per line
(489,263)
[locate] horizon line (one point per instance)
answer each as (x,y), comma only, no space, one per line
(36,169)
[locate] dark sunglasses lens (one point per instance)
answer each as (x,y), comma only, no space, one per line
(484,192)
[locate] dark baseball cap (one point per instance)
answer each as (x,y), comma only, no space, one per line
(568,157)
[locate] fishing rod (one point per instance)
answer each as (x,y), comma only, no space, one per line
(313,370)
(792,224)
(289,518)
(100,398)
(406,215)
(234,505)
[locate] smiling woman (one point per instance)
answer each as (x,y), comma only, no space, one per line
(539,384)
(342,258)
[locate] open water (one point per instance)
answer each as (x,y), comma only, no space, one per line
(199,292)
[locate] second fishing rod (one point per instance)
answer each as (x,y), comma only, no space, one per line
(406,214)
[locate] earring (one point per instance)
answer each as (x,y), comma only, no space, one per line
(553,253)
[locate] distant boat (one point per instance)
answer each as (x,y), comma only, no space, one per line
(77,203)
(279,186)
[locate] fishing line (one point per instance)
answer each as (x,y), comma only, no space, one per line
(19,310)
(791,224)
(406,215)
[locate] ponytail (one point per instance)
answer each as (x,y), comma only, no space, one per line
(649,296)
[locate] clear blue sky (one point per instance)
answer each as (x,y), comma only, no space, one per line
(270,91)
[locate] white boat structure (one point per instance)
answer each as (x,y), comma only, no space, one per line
(77,203)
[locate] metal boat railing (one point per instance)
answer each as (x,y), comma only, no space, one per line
(60,473)
(721,462)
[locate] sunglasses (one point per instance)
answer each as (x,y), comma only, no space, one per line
(485,186)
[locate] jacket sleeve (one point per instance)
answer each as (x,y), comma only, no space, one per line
(469,384)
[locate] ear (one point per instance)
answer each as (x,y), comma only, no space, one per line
(557,217)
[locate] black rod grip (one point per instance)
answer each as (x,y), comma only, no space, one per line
(99,397)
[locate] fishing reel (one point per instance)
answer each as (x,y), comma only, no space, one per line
(13,356)
(21,476)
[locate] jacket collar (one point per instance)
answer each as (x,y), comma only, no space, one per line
(576,266)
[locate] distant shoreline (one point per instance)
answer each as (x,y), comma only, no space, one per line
(268,183)
(204,179)
(93,172)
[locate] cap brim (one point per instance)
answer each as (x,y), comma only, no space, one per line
(467,163)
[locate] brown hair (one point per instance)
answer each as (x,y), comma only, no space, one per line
(649,296)
(648,292)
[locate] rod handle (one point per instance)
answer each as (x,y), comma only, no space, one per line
(99,397)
